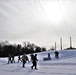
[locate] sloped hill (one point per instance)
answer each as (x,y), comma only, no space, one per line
(63,54)
(65,65)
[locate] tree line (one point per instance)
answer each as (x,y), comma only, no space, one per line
(17,49)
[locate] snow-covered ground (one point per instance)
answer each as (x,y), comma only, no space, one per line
(65,65)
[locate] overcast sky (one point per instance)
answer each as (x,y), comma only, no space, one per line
(42,22)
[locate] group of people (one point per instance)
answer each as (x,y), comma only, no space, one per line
(11,58)
(33,60)
(24,59)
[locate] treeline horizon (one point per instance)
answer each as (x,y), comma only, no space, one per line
(17,49)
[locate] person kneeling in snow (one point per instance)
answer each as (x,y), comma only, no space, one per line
(56,54)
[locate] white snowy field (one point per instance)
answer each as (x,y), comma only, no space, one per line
(65,65)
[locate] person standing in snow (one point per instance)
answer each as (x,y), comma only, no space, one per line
(19,58)
(27,59)
(9,58)
(24,60)
(32,57)
(34,61)
(12,58)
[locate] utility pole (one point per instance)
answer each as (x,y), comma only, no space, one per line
(55,45)
(60,43)
(70,43)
